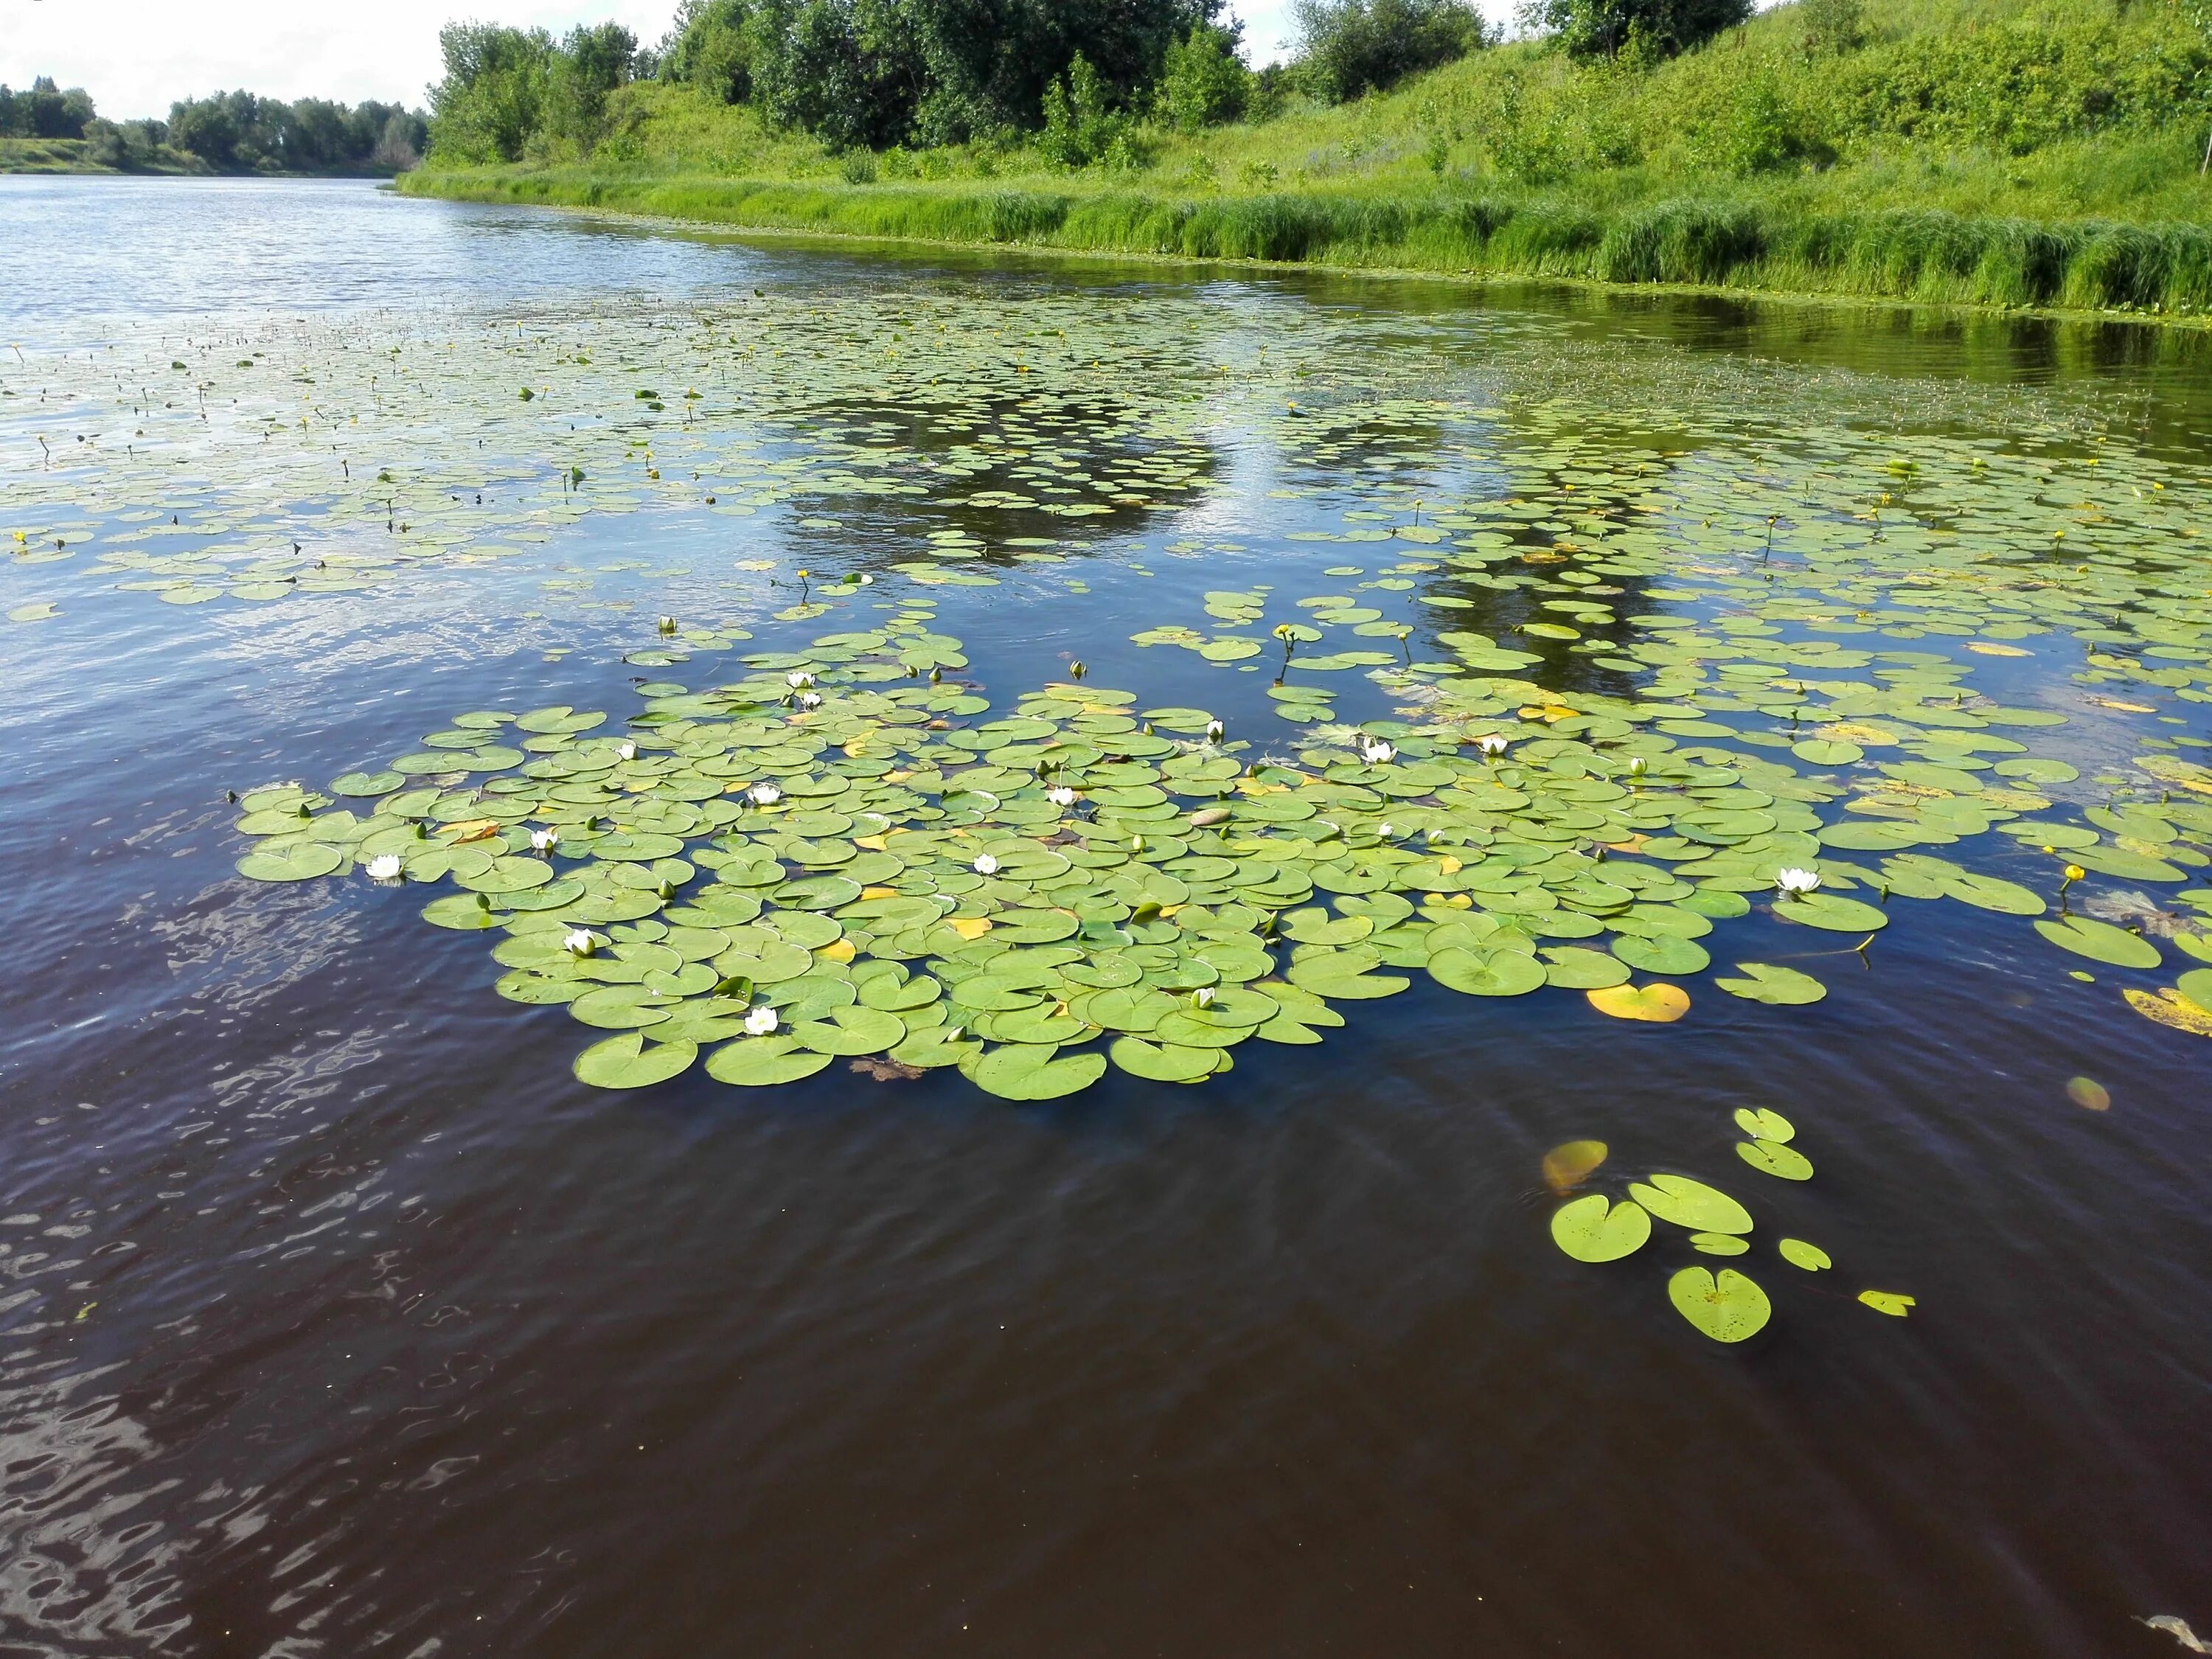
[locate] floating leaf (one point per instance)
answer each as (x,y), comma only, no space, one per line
(1659,1003)
(759,1061)
(1772,1157)
(1729,1308)
(1832,912)
(1888,1302)
(1691,1204)
(1798,1253)
(1717,1244)
(1588,1230)
(1764,1123)
(1776,986)
(298,861)
(2169,1007)
(1029,1073)
(628,1061)
(2100,941)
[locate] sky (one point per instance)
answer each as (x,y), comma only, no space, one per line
(138,56)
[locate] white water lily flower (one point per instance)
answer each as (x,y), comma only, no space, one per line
(1215,731)
(864,579)
(1384,831)
(1203,997)
(1492,744)
(1378,752)
(580,941)
(811,699)
(759,1022)
(1061,795)
(1795,881)
(1637,766)
(799,679)
(763,795)
(544,841)
(626,750)
(385,867)
(986,865)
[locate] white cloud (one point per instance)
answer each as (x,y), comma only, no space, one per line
(138,56)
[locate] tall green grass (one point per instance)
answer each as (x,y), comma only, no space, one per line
(1924,254)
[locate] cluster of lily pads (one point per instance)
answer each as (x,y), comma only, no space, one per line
(841,853)
(1728,1306)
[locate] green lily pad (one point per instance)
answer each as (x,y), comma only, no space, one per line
(1717,1244)
(1767,982)
(1764,1123)
(1031,1072)
(851,1031)
(2100,941)
(756,1062)
(1727,1307)
(296,861)
(1691,1205)
(1772,1157)
(1892,1303)
(1832,912)
(1163,1063)
(1500,974)
(628,1061)
(1798,1253)
(1589,1229)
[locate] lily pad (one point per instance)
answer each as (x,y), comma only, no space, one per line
(1764,1123)
(1658,1003)
(1798,1253)
(2100,941)
(1029,1072)
(1770,983)
(296,861)
(1772,1157)
(630,1061)
(1590,1228)
(1727,1307)
(1892,1303)
(760,1061)
(1691,1204)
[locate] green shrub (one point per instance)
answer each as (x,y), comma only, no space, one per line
(1202,82)
(1645,30)
(1348,48)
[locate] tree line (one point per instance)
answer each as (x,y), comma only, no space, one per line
(1079,78)
(229,131)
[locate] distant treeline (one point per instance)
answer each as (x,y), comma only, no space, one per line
(229,133)
(1076,75)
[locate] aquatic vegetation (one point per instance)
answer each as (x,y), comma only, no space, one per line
(1729,1306)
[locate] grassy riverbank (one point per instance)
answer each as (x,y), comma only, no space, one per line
(75,155)
(2043,153)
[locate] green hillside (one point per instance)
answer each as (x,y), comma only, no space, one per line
(2022,154)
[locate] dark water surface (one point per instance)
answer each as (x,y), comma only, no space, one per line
(346,1321)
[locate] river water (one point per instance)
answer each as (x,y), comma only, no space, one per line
(345,1319)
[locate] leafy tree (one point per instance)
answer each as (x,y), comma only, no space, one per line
(710,48)
(493,98)
(1653,29)
(1202,81)
(1347,47)
(878,72)
(44,110)
(1080,125)
(582,71)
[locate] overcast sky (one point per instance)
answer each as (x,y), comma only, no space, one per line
(138,56)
